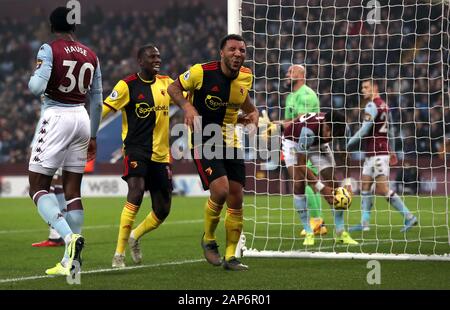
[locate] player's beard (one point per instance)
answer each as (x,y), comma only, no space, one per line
(229,64)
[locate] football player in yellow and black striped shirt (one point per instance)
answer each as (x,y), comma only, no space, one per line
(143,99)
(219,90)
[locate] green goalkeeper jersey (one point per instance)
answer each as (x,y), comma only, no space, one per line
(303,100)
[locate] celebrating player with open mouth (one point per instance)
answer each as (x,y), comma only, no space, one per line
(219,90)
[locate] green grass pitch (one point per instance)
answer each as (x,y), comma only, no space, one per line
(173,258)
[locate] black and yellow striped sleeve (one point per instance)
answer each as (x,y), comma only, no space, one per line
(193,78)
(119,97)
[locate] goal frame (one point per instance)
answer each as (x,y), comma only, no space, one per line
(234,26)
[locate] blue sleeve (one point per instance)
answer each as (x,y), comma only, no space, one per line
(305,140)
(371,112)
(38,81)
(370,109)
(96,100)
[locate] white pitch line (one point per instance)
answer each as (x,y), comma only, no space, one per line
(105,270)
(20,231)
(181,262)
(363,243)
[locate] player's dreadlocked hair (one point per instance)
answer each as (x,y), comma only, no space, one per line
(58,20)
(336,121)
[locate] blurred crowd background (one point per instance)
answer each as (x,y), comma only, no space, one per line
(407,51)
(185,33)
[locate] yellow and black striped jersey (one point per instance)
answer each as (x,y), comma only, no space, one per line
(145,115)
(217,97)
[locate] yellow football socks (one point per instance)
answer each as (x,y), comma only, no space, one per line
(150,223)
(234,220)
(126,223)
(212,218)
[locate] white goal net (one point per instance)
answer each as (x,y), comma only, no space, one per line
(404,45)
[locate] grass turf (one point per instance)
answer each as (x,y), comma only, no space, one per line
(173,257)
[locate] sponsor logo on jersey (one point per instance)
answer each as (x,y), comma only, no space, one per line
(143,109)
(214,102)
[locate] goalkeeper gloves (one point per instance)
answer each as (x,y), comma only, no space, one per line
(266,127)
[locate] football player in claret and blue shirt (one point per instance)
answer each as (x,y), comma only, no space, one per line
(312,133)
(373,139)
(67,72)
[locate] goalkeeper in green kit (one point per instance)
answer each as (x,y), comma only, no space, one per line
(301,101)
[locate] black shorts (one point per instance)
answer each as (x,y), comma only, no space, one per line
(211,169)
(157,175)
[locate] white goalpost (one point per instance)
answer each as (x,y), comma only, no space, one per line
(404,45)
